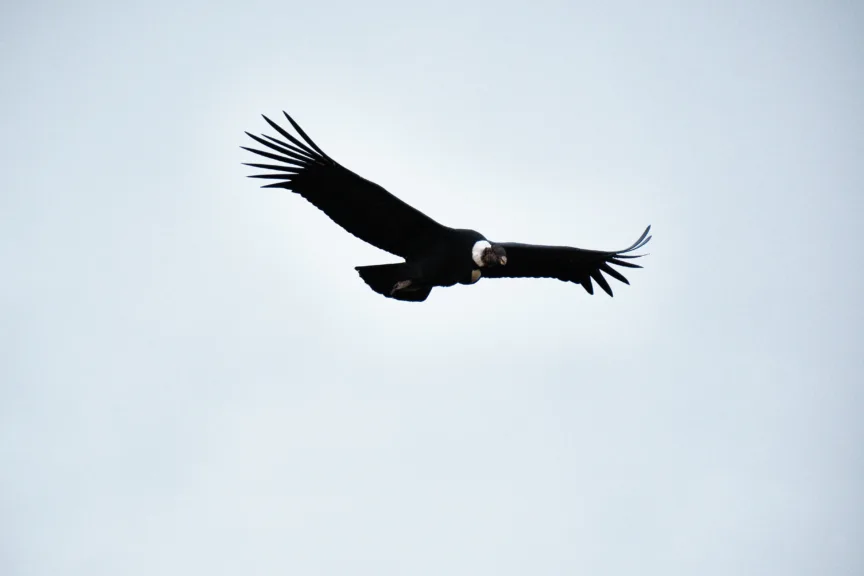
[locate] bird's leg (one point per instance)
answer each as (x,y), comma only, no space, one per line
(401,285)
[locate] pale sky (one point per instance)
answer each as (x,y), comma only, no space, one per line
(194,380)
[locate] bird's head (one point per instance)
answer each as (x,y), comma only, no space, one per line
(488,255)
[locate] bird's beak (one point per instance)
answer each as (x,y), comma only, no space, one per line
(502,260)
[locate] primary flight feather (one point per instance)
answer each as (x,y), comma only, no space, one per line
(434,254)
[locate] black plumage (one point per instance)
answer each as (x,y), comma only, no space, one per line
(567,264)
(434,254)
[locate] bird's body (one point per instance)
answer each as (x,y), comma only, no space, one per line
(448,260)
(435,255)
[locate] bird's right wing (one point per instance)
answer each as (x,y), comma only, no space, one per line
(566,263)
(361,207)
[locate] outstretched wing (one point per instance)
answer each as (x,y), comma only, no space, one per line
(361,207)
(567,264)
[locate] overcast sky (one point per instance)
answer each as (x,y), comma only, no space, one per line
(194,380)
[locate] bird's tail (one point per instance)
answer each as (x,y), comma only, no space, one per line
(383,278)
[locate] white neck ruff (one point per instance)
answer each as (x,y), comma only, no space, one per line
(477,252)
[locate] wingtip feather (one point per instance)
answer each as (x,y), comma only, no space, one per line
(601,281)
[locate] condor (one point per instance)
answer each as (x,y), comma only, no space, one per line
(434,254)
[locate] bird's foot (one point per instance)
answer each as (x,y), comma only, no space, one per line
(401,285)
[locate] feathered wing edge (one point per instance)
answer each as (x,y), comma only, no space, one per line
(619,258)
(568,264)
(359,206)
(295,154)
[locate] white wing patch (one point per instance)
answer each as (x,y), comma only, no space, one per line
(477,251)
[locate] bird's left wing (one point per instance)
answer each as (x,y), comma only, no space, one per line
(361,207)
(567,264)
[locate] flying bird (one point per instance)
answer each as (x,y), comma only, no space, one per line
(434,254)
